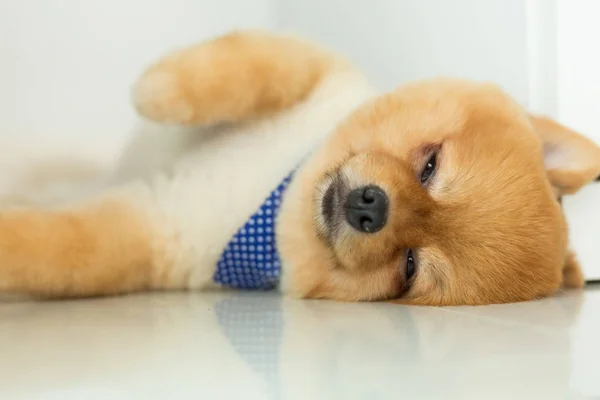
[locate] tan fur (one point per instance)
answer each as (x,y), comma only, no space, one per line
(235,77)
(99,249)
(487,229)
(572,274)
(584,155)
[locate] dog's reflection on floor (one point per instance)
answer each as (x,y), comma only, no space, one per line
(254,328)
(262,346)
(325,349)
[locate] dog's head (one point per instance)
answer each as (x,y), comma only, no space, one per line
(442,192)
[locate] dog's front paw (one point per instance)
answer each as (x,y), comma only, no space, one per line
(240,76)
(160,96)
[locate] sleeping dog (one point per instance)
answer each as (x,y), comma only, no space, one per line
(264,161)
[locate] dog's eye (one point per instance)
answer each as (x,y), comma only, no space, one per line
(429,169)
(410,265)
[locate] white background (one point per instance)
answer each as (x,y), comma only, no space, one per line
(66,65)
(578,100)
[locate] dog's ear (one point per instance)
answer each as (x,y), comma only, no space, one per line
(571,159)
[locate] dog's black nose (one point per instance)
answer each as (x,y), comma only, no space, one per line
(366,209)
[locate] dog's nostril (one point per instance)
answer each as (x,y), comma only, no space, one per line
(365,223)
(369,196)
(366,209)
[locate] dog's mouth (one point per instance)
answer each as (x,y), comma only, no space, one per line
(333,191)
(330,202)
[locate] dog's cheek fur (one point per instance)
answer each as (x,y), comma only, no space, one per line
(512,234)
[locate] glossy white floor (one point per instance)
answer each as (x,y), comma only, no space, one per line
(258,346)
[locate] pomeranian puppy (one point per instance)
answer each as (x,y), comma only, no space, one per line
(263,161)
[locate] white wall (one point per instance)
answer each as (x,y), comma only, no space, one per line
(396,41)
(578,94)
(66,65)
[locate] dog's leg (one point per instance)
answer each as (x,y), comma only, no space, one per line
(108,246)
(240,76)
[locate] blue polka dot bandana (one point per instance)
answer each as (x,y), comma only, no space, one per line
(251,260)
